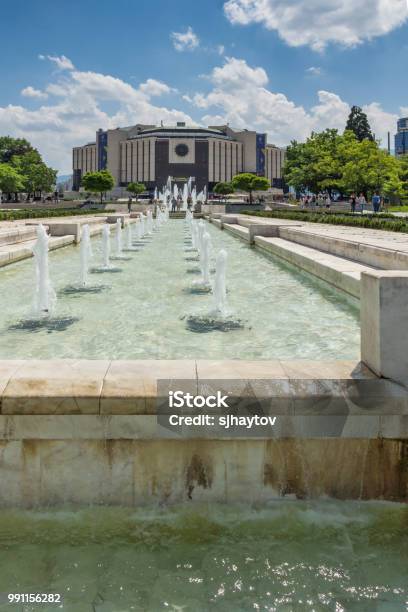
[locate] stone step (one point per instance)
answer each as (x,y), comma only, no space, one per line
(10,253)
(18,234)
(338,271)
(373,255)
(234,228)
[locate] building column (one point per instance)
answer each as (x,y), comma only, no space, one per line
(384,323)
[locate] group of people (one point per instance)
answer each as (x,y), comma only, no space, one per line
(359,203)
(322,199)
(177,203)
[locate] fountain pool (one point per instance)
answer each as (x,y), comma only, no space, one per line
(141,310)
(287,556)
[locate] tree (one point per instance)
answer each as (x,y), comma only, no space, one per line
(10,180)
(331,161)
(365,167)
(223,188)
(38,177)
(403,174)
(9,147)
(136,189)
(358,123)
(250,182)
(314,165)
(98,182)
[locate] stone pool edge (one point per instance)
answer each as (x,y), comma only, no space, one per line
(382,287)
(86,432)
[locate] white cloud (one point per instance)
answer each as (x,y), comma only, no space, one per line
(381,122)
(154,88)
(62,62)
(221,49)
(236,71)
(239,96)
(185,41)
(319,22)
(77,107)
(314,71)
(31,92)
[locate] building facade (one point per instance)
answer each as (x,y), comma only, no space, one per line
(401,138)
(150,154)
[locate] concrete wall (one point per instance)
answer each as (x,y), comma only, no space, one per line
(41,473)
(114,153)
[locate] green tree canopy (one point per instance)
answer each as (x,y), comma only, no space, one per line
(403,175)
(10,179)
(365,167)
(223,188)
(358,123)
(9,147)
(38,177)
(98,182)
(249,183)
(136,188)
(330,161)
(314,165)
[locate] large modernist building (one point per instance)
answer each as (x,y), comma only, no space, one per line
(150,154)
(401,138)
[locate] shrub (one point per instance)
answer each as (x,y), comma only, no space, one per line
(379,222)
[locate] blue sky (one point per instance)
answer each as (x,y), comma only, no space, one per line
(280,66)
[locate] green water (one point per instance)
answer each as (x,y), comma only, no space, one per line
(288,556)
(141,311)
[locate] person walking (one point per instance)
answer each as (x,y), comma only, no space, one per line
(362,202)
(129,205)
(376,202)
(353,201)
(173,204)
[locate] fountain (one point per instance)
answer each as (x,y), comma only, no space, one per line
(138,230)
(220,288)
(85,254)
(185,196)
(194,234)
(45,297)
(219,318)
(106,247)
(200,234)
(149,222)
(129,238)
(189,219)
(142,226)
(194,198)
(118,237)
(203,285)
(158,220)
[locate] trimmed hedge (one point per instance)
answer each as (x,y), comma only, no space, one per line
(378,222)
(29,213)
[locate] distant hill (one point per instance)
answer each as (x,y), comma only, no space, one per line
(63,178)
